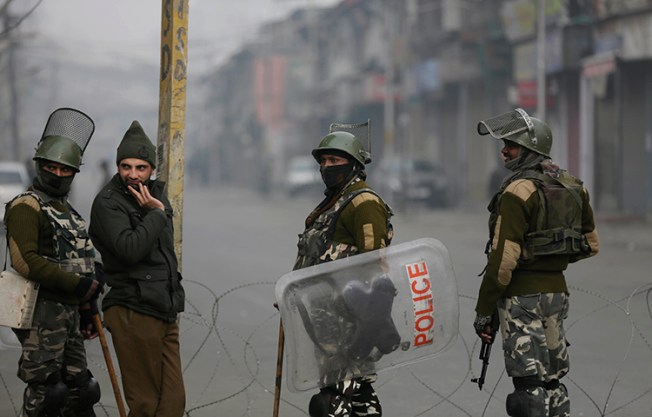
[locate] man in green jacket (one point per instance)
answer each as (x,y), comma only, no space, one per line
(49,245)
(131,226)
(540,221)
(352,219)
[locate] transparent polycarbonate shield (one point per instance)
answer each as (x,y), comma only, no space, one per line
(367,313)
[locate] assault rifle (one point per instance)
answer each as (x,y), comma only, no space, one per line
(485,352)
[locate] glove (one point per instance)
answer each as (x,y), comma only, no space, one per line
(481,323)
(88,289)
(86,322)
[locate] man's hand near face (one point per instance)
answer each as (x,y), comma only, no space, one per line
(144,198)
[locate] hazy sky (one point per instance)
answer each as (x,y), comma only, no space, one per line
(103,29)
(123,35)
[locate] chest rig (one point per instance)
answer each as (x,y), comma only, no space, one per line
(316,244)
(558,226)
(74,251)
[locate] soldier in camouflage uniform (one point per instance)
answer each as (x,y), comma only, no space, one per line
(540,221)
(49,244)
(351,219)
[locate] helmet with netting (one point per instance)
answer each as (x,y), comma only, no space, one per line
(342,142)
(65,137)
(518,127)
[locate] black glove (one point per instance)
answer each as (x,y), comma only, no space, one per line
(88,289)
(86,322)
(481,323)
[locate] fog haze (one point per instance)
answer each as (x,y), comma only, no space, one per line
(103,58)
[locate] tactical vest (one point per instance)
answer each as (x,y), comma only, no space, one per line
(316,244)
(558,228)
(72,244)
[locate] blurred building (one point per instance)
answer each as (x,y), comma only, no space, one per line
(425,71)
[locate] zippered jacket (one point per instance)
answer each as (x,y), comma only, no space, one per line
(137,248)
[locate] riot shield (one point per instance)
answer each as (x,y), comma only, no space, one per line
(367,313)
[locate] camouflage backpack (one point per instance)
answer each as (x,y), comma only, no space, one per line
(559,223)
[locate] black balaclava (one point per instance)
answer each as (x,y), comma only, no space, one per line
(50,183)
(336,176)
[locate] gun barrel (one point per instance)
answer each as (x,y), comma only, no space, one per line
(485,352)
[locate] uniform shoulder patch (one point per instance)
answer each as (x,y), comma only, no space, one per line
(28,200)
(521,188)
(363,197)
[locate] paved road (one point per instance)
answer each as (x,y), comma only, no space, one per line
(237,244)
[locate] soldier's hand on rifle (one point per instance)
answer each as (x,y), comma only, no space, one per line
(482,325)
(486,327)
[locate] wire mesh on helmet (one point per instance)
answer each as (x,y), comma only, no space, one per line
(507,124)
(72,124)
(356,129)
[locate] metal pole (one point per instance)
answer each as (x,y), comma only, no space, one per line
(172,107)
(279,369)
(541,59)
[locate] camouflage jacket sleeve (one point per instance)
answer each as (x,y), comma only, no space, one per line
(363,223)
(25,227)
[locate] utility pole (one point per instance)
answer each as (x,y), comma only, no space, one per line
(172,108)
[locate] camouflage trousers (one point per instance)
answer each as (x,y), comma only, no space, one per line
(352,397)
(52,350)
(535,350)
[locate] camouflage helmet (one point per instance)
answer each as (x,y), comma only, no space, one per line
(518,127)
(65,138)
(341,141)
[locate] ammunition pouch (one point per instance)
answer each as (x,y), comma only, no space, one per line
(555,241)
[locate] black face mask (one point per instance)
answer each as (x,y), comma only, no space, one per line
(334,176)
(52,184)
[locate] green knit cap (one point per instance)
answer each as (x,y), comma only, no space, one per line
(136,144)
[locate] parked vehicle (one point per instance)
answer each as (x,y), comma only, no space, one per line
(303,176)
(408,180)
(13,181)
